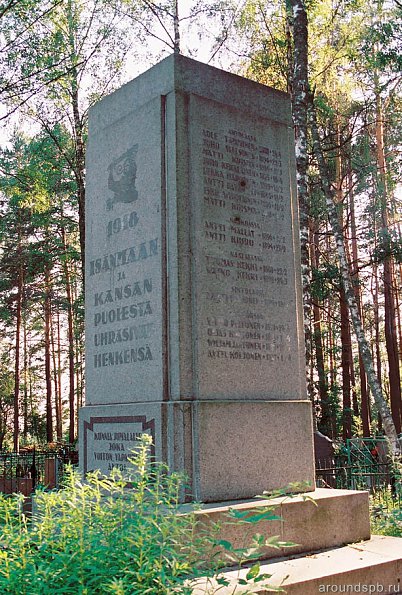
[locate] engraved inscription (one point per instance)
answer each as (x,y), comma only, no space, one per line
(123,306)
(245,247)
(124,257)
(109,442)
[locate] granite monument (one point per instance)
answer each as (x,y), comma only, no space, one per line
(193,297)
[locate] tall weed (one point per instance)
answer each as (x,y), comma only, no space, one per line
(116,535)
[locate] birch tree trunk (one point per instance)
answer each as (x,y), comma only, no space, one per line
(176,28)
(297,19)
(300,38)
(377,338)
(325,423)
(346,367)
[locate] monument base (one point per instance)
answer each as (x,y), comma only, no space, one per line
(321,523)
(228,449)
(310,520)
(373,566)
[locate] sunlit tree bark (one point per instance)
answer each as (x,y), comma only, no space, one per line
(391,340)
(297,19)
(381,403)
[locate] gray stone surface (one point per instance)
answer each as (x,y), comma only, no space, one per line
(373,566)
(193,299)
(123,270)
(245,291)
(323,519)
(109,434)
(255,446)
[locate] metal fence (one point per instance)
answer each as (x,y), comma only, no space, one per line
(23,472)
(353,477)
(375,477)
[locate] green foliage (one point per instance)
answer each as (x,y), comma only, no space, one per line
(386,514)
(386,505)
(48,42)
(388,523)
(6,397)
(333,412)
(268,43)
(98,537)
(389,245)
(325,281)
(39,248)
(121,535)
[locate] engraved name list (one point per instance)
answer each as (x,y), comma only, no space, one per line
(246,247)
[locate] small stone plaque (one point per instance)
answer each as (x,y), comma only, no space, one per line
(114,440)
(109,435)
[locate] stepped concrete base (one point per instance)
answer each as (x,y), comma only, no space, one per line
(315,520)
(373,566)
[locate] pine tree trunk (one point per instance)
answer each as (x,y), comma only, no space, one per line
(391,340)
(398,320)
(48,372)
(392,346)
(381,403)
(60,404)
(20,287)
(346,346)
(325,422)
(55,381)
(70,338)
(25,405)
(34,427)
(331,348)
(364,397)
(289,50)
(17,367)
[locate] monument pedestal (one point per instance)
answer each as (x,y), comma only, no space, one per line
(334,548)
(373,566)
(227,448)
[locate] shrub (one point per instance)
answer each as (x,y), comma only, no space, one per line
(386,522)
(105,536)
(386,513)
(389,524)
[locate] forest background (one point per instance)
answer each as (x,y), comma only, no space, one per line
(340,60)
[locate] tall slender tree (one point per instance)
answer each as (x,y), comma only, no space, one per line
(300,37)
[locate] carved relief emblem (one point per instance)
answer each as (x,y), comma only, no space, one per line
(122,176)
